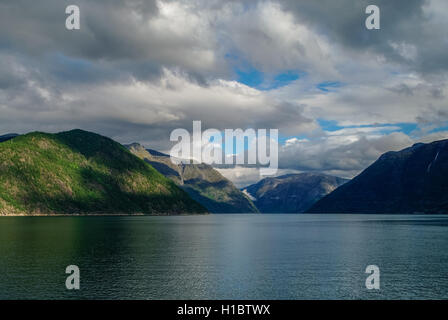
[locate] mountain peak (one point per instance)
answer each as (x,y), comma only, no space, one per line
(201,181)
(406,181)
(291,193)
(82,172)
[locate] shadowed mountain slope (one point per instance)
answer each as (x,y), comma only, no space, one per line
(292,193)
(8,136)
(201,181)
(413,180)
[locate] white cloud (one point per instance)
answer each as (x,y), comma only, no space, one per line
(271,40)
(159,107)
(406,50)
(243,176)
(398,99)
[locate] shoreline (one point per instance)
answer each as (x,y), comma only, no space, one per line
(103,215)
(199,214)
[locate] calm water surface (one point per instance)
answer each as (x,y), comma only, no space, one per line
(225,257)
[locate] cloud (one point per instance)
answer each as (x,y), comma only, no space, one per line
(144,111)
(272,41)
(243,176)
(412,31)
(338,155)
(343,153)
(137,37)
(138,69)
(405,98)
(347,153)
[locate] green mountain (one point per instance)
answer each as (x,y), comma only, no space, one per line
(201,181)
(79,172)
(291,193)
(413,180)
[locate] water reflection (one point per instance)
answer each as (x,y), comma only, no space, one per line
(224,256)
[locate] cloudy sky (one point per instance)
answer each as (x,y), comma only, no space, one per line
(339,94)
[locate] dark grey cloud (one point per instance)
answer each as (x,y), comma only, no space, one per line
(403,23)
(117,38)
(107,31)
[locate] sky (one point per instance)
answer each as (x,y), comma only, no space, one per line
(340,95)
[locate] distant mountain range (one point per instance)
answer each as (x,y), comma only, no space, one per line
(82,172)
(292,193)
(201,181)
(413,180)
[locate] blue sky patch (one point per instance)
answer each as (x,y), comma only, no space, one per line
(329,86)
(439,129)
(331,125)
(252,78)
(262,81)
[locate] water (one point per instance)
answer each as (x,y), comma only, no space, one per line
(225,257)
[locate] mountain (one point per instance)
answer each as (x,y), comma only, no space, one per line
(82,172)
(413,180)
(292,193)
(201,181)
(8,136)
